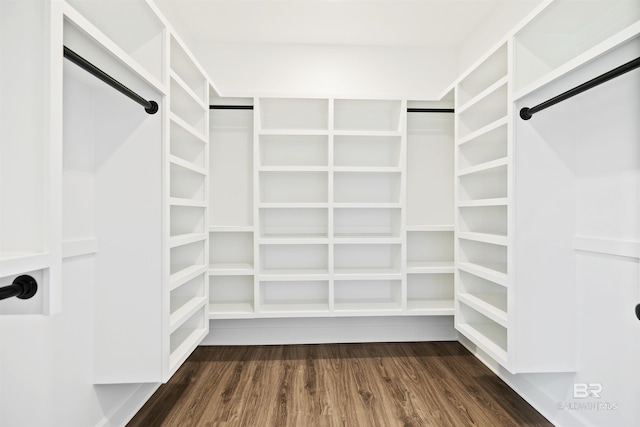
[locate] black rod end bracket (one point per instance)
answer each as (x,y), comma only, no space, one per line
(638,311)
(28,284)
(153,107)
(524,113)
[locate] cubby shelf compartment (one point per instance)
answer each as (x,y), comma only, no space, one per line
(290,297)
(178,122)
(361,151)
(484,112)
(483,150)
(294,187)
(294,150)
(294,260)
(186,107)
(367,295)
(231,296)
(185,339)
(187,90)
(185,148)
(431,293)
(184,69)
(367,187)
(427,247)
(366,223)
(484,131)
(484,167)
(484,238)
(185,183)
(293,114)
(356,259)
(484,94)
(490,336)
(567,34)
(488,272)
(182,308)
(367,115)
(231,253)
(294,223)
(491,70)
(185,164)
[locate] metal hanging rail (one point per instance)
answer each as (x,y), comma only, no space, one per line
(527,113)
(231,107)
(23,287)
(150,107)
(430,110)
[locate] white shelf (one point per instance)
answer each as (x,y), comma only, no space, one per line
(231,310)
(492,305)
(183,342)
(187,90)
(485,337)
(491,273)
(187,165)
(432,307)
(425,267)
(184,275)
(293,205)
(231,269)
(500,201)
(293,308)
(341,132)
(186,239)
(293,169)
(293,274)
(483,130)
(176,201)
(295,132)
(369,169)
(367,239)
(231,228)
(367,306)
(484,238)
(488,91)
(367,205)
(187,127)
(12,263)
(446,227)
(366,273)
(484,167)
(188,306)
(300,239)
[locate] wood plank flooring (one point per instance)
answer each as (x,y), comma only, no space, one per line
(371,384)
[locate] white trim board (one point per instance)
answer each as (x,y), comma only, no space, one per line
(330,330)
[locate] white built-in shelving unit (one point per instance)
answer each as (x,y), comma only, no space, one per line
(187,193)
(483,162)
(314,223)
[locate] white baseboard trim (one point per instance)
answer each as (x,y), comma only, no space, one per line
(330,330)
(130,404)
(532,394)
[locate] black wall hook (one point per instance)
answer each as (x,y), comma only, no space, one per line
(23,287)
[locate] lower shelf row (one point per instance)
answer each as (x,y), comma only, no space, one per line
(236,296)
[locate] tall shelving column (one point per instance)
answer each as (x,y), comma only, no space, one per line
(187,171)
(369,141)
(482,201)
(430,209)
(231,217)
(291,196)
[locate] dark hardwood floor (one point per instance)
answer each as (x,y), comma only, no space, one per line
(372,384)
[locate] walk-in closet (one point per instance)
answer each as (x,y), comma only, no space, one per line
(317,212)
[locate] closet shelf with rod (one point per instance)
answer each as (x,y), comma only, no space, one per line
(150,107)
(526,113)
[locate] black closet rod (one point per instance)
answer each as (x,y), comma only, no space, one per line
(231,107)
(23,287)
(410,110)
(430,110)
(150,107)
(527,113)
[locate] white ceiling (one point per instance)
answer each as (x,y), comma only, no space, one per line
(424,23)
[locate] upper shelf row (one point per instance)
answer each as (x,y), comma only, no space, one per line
(323,115)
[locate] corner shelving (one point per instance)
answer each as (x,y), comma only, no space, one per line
(482,203)
(187,193)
